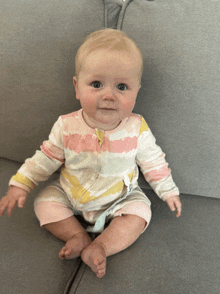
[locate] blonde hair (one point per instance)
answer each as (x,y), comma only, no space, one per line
(109,39)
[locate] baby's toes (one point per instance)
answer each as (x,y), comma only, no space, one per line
(69,254)
(101,270)
(62,253)
(100,273)
(99,266)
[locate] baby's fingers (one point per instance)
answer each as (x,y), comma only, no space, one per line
(3,206)
(178,208)
(171,205)
(7,203)
(21,202)
(11,206)
(174,203)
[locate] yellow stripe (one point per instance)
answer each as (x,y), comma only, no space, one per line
(99,134)
(23,180)
(144,126)
(115,189)
(77,191)
(118,187)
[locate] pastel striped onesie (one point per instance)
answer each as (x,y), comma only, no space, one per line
(98,169)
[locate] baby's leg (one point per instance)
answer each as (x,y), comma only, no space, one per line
(120,234)
(55,213)
(70,231)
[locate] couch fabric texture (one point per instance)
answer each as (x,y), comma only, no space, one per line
(179,99)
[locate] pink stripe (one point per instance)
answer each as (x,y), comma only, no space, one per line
(119,146)
(158,174)
(50,153)
(80,143)
(90,143)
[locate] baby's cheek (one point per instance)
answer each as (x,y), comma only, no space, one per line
(88,100)
(128,107)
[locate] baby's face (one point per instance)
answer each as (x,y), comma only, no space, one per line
(107,87)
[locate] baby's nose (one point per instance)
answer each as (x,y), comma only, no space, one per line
(109,95)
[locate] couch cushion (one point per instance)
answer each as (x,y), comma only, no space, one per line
(39,40)
(29,261)
(179,98)
(173,256)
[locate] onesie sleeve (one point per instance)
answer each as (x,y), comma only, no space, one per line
(44,162)
(153,165)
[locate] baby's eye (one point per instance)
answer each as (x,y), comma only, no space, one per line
(122,87)
(96,84)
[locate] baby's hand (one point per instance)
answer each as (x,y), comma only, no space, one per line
(174,203)
(14,196)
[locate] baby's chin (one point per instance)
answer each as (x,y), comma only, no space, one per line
(107,125)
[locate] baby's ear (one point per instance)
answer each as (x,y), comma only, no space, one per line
(75,83)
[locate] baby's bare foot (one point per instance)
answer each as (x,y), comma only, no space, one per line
(95,257)
(74,246)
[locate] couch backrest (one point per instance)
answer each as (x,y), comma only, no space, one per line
(179,98)
(180,94)
(39,42)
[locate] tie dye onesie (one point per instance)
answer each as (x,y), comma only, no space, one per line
(97,166)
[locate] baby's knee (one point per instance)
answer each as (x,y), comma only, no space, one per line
(139,211)
(131,223)
(137,221)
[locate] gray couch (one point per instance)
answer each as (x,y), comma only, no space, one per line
(179,98)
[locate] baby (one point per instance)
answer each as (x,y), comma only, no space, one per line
(98,149)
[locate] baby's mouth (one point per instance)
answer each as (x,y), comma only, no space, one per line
(107,108)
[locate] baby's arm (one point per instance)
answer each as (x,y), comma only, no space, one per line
(35,169)
(14,196)
(151,160)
